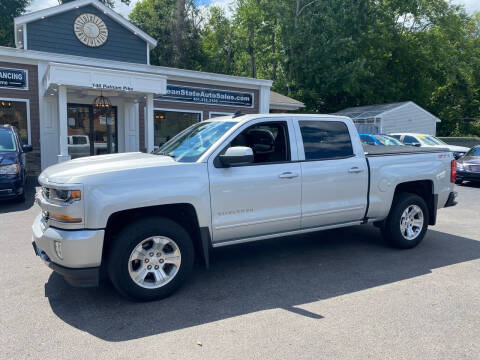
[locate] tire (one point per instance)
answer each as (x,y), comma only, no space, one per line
(458,182)
(158,236)
(400,237)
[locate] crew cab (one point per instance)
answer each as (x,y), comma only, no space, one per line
(143,219)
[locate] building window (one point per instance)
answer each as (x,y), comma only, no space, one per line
(168,123)
(16,112)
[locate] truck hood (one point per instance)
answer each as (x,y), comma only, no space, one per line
(74,171)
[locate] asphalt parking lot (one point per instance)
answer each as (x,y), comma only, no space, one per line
(329,295)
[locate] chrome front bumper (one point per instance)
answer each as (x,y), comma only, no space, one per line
(81,250)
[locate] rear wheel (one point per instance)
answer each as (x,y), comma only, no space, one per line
(150,259)
(407,223)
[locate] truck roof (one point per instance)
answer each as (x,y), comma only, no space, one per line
(248,117)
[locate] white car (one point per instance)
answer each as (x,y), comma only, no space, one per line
(142,219)
(424,140)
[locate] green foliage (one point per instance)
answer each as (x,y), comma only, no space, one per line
(175,24)
(332,54)
(10,9)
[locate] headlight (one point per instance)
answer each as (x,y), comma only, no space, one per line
(459,166)
(11,169)
(62,195)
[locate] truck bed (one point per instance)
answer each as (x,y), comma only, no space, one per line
(371,150)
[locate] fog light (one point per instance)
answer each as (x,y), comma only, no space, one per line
(58,249)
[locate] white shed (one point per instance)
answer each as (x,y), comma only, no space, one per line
(395,117)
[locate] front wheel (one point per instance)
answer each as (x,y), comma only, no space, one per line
(150,259)
(407,222)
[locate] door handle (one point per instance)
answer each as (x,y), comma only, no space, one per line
(287,175)
(355,170)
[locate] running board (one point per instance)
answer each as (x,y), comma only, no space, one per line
(288,233)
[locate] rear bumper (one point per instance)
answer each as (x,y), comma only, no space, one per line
(451,199)
(467,175)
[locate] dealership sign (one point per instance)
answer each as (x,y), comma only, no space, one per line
(207,96)
(13,78)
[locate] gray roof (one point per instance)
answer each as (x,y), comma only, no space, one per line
(369,111)
(277,99)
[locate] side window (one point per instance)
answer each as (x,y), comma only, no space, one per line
(269,142)
(325,140)
(409,140)
(396,136)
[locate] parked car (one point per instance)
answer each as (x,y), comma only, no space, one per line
(13,171)
(424,140)
(379,140)
(468,167)
(79,146)
(143,218)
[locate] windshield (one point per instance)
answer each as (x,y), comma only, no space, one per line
(430,140)
(473,151)
(192,142)
(7,141)
(387,140)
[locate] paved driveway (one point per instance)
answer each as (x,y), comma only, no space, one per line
(329,295)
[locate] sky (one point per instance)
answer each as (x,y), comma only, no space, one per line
(471,5)
(121,7)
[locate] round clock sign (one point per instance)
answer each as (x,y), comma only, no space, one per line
(90,30)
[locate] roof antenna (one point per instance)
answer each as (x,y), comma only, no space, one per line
(237,114)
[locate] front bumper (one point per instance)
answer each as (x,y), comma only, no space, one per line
(11,186)
(81,252)
(467,175)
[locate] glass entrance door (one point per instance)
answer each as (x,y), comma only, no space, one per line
(89,133)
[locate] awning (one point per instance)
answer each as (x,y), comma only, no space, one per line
(87,77)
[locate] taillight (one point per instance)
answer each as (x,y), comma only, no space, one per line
(453,170)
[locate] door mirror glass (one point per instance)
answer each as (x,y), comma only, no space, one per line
(237,155)
(27,148)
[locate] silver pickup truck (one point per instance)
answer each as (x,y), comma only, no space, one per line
(143,219)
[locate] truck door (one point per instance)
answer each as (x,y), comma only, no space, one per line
(263,197)
(334,172)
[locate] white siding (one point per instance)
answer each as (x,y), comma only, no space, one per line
(408,118)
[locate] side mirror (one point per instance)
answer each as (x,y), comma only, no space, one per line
(237,155)
(27,148)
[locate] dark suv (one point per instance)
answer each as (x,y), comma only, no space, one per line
(12,164)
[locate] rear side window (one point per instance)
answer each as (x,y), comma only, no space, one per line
(325,140)
(409,140)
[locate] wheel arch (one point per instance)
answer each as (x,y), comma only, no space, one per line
(183,214)
(424,189)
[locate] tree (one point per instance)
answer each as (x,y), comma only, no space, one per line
(109,3)
(217,42)
(9,9)
(175,24)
